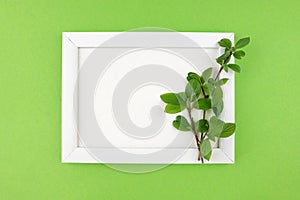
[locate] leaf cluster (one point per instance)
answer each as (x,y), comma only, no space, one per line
(201,93)
(230,50)
(204,93)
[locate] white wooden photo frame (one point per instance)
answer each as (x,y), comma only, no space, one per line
(76,48)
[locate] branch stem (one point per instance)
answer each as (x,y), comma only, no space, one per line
(200,157)
(223,64)
(203,135)
(219,72)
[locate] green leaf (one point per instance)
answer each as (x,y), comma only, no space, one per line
(226,68)
(218,108)
(223,57)
(211,81)
(217,94)
(216,101)
(219,60)
(193,75)
(228,130)
(202,81)
(192,89)
(201,125)
(206,89)
(210,88)
(174,99)
(222,81)
(170,98)
(182,97)
(203,104)
(215,128)
(239,54)
(207,157)
(235,67)
(172,109)
(206,149)
(181,123)
(242,43)
(225,43)
(206,74)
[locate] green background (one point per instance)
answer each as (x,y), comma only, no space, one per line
(267,101)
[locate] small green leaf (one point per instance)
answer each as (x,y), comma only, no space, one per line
(207,157)
(192,89)
(215,128)
(222,81)
(181,123)
(193,75)
(235,67)
(228,130)
(223,57)
(170,98)
(218,108)
(202,125)
(217,100)
(225,43)
(206,149)
(217,94)
(242,43)
(206,74)
(219,60)
(172,109)
(206,89)
(239,54)
(210,88)
(202,81)
(225,68)
(174,99)
(203,104)
(182,97)
(211,81)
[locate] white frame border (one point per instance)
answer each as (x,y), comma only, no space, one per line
(71,42)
